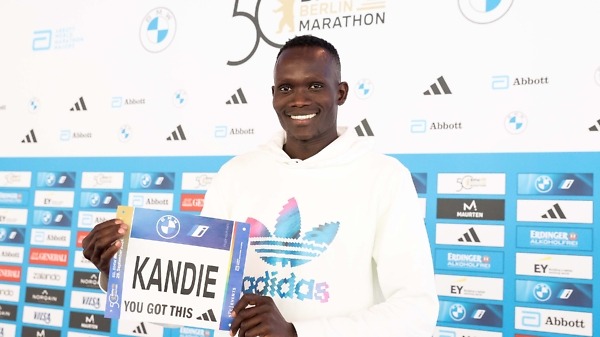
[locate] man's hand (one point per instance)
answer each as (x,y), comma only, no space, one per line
(256,315)
(103,242)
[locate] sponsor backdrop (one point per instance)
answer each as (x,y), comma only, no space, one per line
(492,104)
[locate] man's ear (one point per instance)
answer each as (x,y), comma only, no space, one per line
(272,90)
(342,92)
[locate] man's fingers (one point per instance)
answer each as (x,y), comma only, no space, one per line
(104,264)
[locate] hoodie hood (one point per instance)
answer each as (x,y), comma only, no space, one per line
(347,147)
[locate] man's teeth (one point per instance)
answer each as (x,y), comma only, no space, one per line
(303,116)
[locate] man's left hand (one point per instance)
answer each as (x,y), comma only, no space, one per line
(256,315)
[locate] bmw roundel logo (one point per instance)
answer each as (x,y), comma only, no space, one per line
(542,292)
(94,199)
(50,179)
(168,226)
(157,30)
(515,122)
(364,88)
(484,11)
(543,184)
(145,180)
(46,217)
(457,312)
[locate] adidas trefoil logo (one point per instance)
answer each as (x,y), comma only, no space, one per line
(237,98)
(435,90)
(177,134)
(288,246)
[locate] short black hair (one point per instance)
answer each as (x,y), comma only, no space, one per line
(313,41)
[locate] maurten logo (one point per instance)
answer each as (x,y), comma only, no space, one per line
(287,245)
(207,316)
(470,236)
(434,89)
(237,98)
(79,105)
(30,137)
(554,213)
(364,129)
(177,134)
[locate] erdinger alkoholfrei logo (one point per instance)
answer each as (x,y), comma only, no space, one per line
(157,30)
(168,226)
(484,11)
(288,245)
(275,21)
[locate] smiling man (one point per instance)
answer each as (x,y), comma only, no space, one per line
(338,245)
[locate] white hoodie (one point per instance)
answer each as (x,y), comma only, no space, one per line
(338,240)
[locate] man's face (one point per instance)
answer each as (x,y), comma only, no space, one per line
(306,93)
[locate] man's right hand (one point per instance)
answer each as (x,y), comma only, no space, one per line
(103,242)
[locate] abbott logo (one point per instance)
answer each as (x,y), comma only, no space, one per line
(531,319)
(42,40)
(554,321)
(500,82)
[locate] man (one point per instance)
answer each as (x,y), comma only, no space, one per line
(338,244)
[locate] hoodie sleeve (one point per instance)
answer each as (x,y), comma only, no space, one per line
(404,269)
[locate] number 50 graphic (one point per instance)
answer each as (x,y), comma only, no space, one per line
(259,35)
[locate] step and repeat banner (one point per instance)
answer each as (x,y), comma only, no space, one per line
(494,106)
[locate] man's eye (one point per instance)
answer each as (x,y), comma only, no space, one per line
(316,86)
(284,88)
